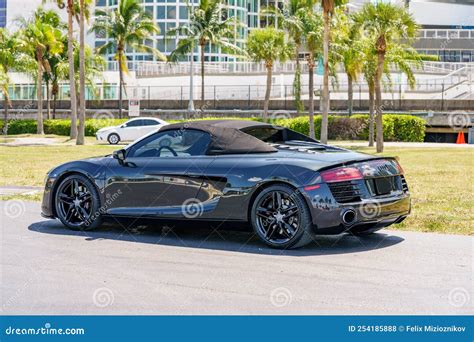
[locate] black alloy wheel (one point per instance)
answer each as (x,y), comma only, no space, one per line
(77,203)
(281,218)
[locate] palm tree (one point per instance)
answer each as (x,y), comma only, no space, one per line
(94,68)
(82,71)
(369,68)
(351,54)
(4,90)
(268,45)
(389,25)
(328,10)
(40,36)
(10,58)
(73,10)
(207,25)
(313,34)
(289,20)
(127,26)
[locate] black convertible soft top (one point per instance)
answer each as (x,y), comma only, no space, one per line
(226,135)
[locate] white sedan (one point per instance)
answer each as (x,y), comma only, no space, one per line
(130,130)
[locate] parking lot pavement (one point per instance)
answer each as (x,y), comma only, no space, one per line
(47,269)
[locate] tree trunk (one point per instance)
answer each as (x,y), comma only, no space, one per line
(6,104)
(72,81)
(120,59)
(325,92)
(48,100)
(371,113)
(378,103)
(202,79)
(311,97)
(267,91)
(350,95)
(297,83)
(82,78)
(39,91)
(54,105)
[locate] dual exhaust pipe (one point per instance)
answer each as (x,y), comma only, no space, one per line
(348,217)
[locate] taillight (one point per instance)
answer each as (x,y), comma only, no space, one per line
(341,174)
(399,167)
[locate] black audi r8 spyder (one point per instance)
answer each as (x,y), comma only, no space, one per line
(288,186)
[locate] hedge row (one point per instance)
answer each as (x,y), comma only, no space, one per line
(59,126)
(396,127)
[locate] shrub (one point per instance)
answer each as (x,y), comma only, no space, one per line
(342,128)
(397,127)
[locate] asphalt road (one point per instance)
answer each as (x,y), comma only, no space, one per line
(47,269)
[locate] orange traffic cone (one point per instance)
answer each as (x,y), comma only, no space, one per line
(460,139)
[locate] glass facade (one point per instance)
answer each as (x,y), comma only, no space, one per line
(3,13)
(169,14)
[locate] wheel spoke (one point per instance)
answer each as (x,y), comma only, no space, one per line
(289,228)
(264,212)
(85,196)
(278,200)
(65,198)
(82,213)
(290,211)
(273,228)
(69,214)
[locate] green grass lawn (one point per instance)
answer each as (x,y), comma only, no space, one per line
(441,180)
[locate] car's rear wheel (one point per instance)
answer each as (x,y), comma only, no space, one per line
(77,203)
(113,138)
(281,218)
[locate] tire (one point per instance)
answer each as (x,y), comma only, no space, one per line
(289,231)
(77,203)
(113,138)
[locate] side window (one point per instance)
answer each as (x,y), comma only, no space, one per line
(135,123)
(150,123)
(172,143)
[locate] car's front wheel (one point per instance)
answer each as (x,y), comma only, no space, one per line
(77,203)
(113,138)
(281,218)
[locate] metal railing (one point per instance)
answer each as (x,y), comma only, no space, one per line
(157,69)
(446,34)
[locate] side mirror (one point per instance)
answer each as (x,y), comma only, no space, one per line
(120,156)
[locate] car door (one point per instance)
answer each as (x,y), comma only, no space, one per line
(161,175)
(131,130)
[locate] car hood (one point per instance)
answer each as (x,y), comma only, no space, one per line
(105,129)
